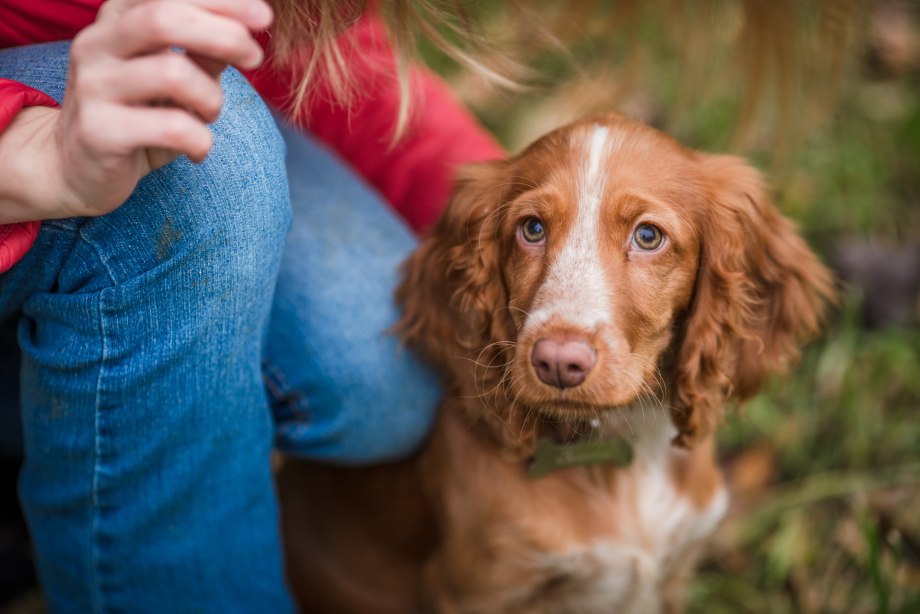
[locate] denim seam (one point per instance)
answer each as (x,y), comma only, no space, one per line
(99,257)
(97,592)
(98,605)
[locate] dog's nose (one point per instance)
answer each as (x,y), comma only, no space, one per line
(563,364)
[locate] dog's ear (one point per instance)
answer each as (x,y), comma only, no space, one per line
(760,293)
(452,290)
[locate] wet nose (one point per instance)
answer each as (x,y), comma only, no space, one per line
(563,364)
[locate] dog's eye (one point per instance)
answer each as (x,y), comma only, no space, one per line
(532,230)
(647,237)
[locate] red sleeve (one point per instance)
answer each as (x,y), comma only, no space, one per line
(24,22)
(16,239)
(415,175)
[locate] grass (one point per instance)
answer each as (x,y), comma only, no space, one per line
(826,469)
(825,464)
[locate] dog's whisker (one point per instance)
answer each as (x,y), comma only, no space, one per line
(482,365)
(516,308)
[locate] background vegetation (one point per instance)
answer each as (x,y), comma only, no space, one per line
(824,465)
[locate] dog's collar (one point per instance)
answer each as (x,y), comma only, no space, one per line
(588,449)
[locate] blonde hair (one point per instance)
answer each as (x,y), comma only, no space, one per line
(780,46)
(322,26)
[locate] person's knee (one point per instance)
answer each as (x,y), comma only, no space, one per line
(364,411)
(241,198)
(389,410)
(223,221)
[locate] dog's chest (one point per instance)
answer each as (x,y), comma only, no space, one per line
(627,537)
(651,542)
(582,539)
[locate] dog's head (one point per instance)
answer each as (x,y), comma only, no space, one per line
(604,263)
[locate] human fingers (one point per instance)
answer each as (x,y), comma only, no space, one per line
(113,130)
(167,76)
(157,25)
(254,14)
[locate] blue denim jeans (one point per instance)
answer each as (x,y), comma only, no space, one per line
(158,342)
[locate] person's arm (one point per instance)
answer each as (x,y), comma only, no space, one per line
(415,176)
(132,105)
(23,112)
(16,101)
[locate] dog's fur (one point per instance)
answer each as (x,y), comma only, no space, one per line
(676,333)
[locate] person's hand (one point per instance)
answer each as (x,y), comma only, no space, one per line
(133,102)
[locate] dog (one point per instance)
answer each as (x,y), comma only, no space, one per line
(593,304)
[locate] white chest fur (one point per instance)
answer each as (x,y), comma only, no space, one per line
(658,531)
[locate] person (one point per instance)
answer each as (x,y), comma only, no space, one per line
(196,270)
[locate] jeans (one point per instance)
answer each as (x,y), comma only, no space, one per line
(167,345)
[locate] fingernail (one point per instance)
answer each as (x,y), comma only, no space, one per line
(261,13)
(259,57)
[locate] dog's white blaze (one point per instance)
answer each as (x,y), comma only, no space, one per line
(576,290)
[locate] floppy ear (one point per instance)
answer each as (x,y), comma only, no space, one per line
(760,293)
(452,293)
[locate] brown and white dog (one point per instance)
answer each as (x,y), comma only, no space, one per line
(607,284)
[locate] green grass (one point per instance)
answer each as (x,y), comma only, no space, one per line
(836,528)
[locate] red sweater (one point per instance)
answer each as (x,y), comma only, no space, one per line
(415,176)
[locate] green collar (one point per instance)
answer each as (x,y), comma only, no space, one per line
(550,456)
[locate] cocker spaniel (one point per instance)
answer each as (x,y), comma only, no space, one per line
(593,304)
